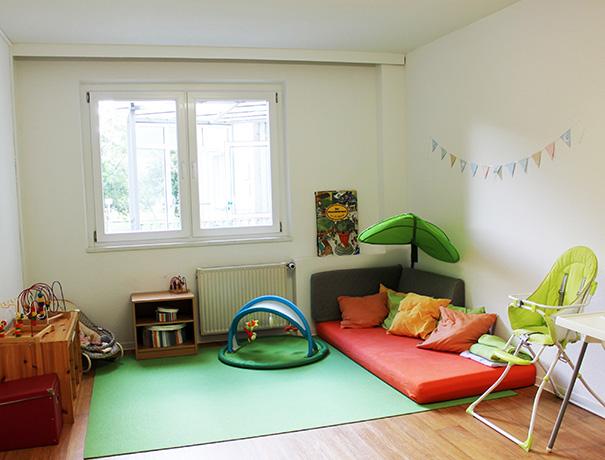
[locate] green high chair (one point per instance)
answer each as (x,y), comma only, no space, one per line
(567,289)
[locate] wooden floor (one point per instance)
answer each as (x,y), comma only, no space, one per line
(444,434)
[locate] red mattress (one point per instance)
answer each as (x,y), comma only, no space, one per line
(425,376)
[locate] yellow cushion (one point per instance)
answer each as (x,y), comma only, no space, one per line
(417,315)
(383,288)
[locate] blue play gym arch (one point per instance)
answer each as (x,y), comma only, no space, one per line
(276,305)
(292,345)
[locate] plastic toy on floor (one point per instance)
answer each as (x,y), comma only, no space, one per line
(567,289)
(296,348)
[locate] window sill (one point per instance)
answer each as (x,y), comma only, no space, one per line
(113,247)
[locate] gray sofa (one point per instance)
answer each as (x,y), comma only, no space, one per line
(327,286)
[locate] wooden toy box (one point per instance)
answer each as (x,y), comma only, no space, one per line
(52,348)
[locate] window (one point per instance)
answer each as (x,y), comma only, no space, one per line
(199,164)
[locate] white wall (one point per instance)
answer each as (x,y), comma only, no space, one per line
(332,142)
(499,90)
(10,253)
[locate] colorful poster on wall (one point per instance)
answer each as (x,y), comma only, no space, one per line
(337,225)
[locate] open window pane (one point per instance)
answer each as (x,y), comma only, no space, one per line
(139,160)
(234,163)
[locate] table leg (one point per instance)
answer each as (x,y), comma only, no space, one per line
(555,430)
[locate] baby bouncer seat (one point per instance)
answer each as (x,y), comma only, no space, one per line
(104,347)
(567,289)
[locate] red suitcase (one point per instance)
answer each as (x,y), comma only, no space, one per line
(30,412)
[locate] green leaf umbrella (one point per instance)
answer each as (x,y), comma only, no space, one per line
(411,229)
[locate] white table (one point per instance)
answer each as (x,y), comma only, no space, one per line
(591,326)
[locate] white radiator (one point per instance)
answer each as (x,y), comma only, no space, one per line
(222,291)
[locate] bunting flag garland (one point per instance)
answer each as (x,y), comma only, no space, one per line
(524,162)
(462,165)
(565,137)
(550,149)
(512,166)
(537,157)
(452,160)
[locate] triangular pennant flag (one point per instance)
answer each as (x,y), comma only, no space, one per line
(435,144)
(511,168)
(443,153)
(537,157)
(550,149)
(498,171)
(566,137)
(523,164)
(485,171)
(474,168)
(453,159)
(462,165)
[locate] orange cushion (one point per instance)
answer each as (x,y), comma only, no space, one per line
(423,375)
(366,311)
(457,331)
(417,316)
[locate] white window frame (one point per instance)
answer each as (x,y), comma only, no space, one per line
(185,96)
(211,234)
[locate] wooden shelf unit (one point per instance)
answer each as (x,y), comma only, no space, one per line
(144,305)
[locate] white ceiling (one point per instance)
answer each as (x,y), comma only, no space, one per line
(358,25)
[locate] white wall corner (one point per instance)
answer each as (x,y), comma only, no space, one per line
(390,114)
(380,139)
(13,112)
(16,165)
(4,37)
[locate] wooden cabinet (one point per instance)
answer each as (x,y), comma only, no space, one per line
(54,349)
(144,306)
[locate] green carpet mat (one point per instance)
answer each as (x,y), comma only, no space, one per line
(171,402)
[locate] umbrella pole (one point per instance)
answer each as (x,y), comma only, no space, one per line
(414,247)
(414,255)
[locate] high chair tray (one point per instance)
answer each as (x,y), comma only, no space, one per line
(591,324)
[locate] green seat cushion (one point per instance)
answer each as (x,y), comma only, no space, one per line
(495,342)
(510,358)
(574,272)
(468,310)
(499,355)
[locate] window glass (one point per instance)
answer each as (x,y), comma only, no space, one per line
(234,163)
(139,166)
